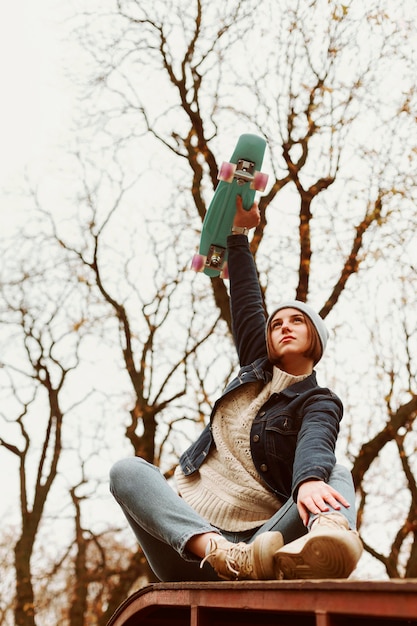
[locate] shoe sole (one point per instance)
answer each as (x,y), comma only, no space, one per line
(321,557)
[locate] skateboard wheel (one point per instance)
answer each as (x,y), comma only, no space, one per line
(226,172)
(197,262)
(260,181)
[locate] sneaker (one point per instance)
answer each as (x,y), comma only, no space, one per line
(242,561)
(329,550)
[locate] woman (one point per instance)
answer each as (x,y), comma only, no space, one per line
(260,494)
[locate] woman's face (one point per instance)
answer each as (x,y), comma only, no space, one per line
(289,336)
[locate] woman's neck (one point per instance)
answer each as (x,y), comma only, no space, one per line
(296,366)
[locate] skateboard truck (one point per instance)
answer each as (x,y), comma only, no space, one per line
(215,257)
(243,172)
(215,260)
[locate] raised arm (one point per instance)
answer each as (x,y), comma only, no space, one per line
(248,314)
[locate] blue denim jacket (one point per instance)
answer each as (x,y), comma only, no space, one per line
(294,434)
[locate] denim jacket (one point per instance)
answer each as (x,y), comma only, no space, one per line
(294,434)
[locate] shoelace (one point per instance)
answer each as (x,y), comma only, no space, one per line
(234,554)
(324,519)
(238,554)
(211,551)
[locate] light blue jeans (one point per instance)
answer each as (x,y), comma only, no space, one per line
(163,522)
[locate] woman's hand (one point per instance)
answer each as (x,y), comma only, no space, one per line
(316,496)
(247,219)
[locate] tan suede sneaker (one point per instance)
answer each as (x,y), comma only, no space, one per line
(329,550)
(243,561)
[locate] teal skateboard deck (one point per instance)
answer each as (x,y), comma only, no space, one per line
(241,176)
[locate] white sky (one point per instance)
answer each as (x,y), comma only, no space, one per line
(35,108)
(34,103)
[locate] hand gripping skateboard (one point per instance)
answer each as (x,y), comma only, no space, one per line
(241,176)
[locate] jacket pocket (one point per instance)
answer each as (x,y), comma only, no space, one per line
(281,438)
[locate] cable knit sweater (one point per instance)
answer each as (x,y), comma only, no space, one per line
(227,490)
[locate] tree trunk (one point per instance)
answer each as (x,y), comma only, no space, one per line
(24,609)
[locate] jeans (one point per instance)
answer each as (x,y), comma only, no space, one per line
(163,522)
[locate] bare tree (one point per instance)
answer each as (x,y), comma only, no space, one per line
(320,105)
(169,90)
(50,328)
(36,372)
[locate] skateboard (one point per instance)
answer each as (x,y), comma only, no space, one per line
(239,176)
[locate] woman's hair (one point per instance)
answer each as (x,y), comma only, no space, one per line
(314,351)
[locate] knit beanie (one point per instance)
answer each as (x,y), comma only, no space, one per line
(314,317)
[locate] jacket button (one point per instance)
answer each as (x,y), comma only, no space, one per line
(264,467)
(256,438)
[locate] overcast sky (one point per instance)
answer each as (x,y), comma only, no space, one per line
(35,99)
(35,109)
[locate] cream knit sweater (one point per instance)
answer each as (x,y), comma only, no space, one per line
(227,490)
